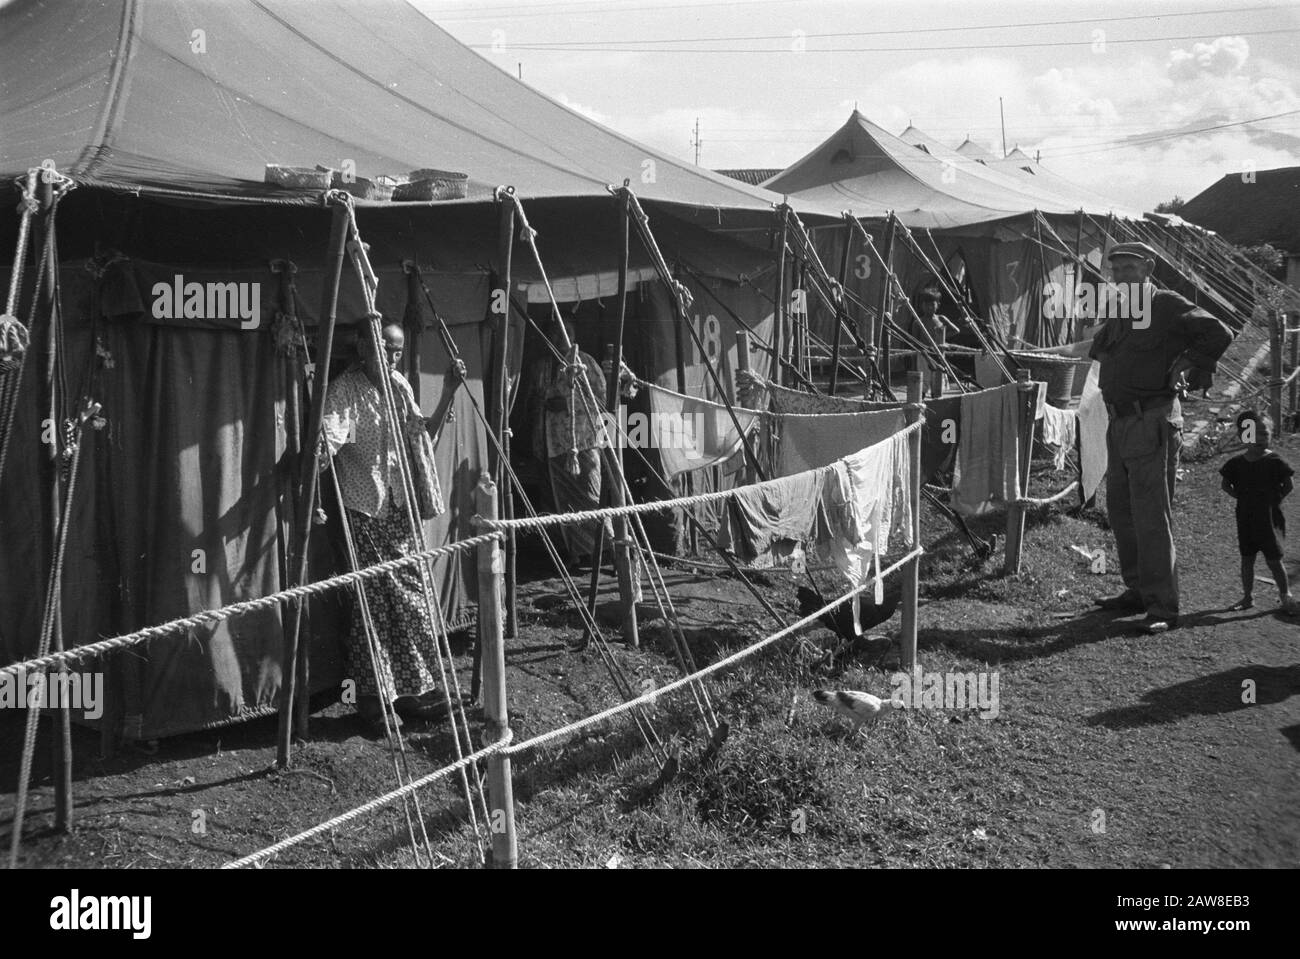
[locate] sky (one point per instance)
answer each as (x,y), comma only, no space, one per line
(768,80)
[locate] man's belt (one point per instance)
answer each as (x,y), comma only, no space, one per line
(1137,407)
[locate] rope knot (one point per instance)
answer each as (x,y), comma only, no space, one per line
(14,340)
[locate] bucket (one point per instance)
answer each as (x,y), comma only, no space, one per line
(1056,371)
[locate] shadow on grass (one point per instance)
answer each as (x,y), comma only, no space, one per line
(1292,733)
(1212,695)
(1007,644)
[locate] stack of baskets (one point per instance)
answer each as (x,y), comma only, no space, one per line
(427,184)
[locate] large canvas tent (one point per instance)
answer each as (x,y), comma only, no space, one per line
(1005,237)
(165,116)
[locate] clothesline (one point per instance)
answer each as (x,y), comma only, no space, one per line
(658,506)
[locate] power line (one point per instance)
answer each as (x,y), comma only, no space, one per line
(568,44)
(604,7)
(1143,141)
(566,47)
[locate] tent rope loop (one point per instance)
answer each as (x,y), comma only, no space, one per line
(14,340)
(28,210)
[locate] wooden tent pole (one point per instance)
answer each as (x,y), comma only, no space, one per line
(1025,439)
(62,741)
(292,368)
(882,301)
(840,309)
(779,335)
(687,535)
(309,478)
(742,363)
(622,554)
(501,805)
(912,571)
(1040,281)
(500,414)
(1294,339)
(1276,340)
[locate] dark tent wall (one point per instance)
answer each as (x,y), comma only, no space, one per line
(198,448)
(1004,264)
(185,497)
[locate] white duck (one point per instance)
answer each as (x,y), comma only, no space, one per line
(858,708)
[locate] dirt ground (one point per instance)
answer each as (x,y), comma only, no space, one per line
(1110,748)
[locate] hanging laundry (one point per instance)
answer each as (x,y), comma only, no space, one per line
(692,433)
(865,502)
(808,441)
(783,399)
(988,455)
(768,521)
(1093,422)
(1060,428)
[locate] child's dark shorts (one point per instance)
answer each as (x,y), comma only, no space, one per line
(1258,537)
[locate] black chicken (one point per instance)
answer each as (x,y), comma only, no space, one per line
(840,619)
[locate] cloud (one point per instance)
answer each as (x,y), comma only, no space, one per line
(591,113)
(1221,58)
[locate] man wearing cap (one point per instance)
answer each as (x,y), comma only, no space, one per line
(1154,346)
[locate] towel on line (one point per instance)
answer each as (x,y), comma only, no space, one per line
(810,441)
(1060,427)
(988,456)
(691,433)
(1093,421)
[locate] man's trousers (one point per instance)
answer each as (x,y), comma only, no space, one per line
(1142,451)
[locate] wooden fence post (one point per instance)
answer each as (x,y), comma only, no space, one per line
(501,805)
(1275,357)
(1025,437)
(912,571)
(1295,361)
(742,363)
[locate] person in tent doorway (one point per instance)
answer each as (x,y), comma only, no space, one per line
(938,326)
(1152,348)
(573,435)
(356,438)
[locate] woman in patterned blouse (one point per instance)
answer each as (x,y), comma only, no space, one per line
(366,462)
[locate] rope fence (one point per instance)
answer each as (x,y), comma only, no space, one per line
(652,695)
(211,617)
(508,748)
(377,803)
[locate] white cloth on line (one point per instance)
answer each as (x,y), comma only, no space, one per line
(691,433)
(1060,427)
(866,503)
(1093,421)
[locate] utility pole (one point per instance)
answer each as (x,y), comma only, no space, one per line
(520,66)
(696,142)
(1003,115)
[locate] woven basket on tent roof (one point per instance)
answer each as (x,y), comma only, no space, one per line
(362,187)
(433,185)
(298,177)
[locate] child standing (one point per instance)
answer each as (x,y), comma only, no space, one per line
(1259,480)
